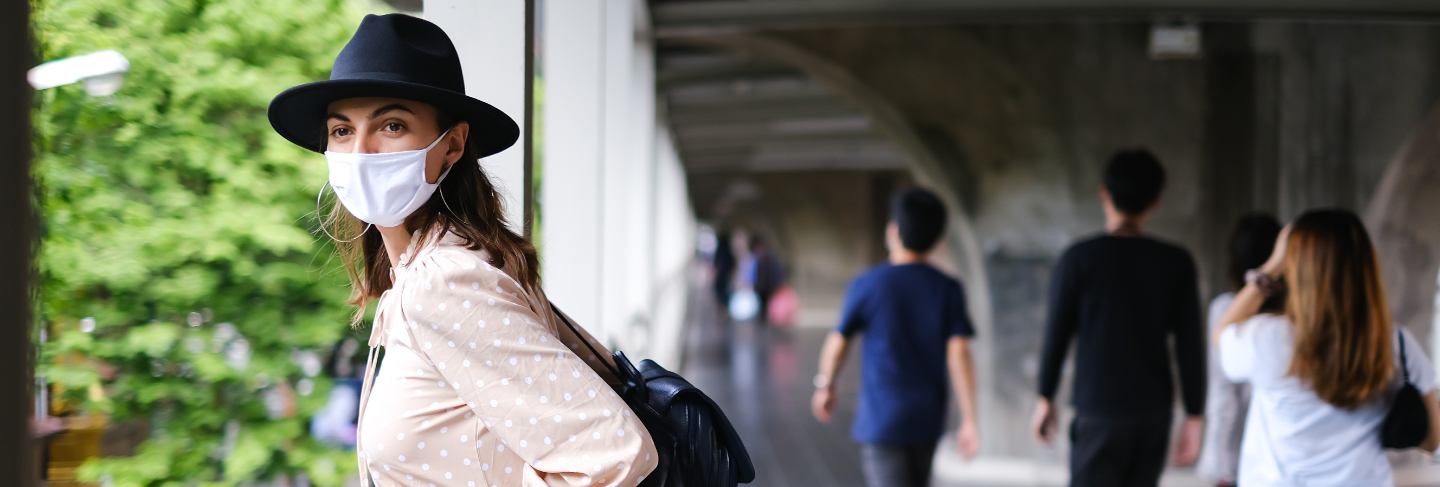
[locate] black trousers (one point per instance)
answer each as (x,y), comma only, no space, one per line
(897,466)
(1118,452)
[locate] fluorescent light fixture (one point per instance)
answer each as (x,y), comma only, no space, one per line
(102,71)
(1175,41)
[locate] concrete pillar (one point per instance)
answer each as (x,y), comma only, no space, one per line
(492,38)
(634,180)
(618,168)
(673,235)
(572,217)
(1407,236)
(611,228)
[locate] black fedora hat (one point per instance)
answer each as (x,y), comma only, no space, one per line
(395,56)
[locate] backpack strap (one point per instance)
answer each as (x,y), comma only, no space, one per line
(600,358)
(1404,363)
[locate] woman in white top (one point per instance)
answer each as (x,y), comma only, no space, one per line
(480,387)
(1322,376)
(1226,402)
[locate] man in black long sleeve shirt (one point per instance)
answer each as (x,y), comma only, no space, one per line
(1121,297)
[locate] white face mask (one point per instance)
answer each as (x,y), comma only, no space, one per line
(382,189)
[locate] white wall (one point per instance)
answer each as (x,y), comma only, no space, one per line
(572,215)
(619,176)
(617,228)
(490,35)
(674,242)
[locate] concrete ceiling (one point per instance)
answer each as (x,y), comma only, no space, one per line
(692,17)
(734,114)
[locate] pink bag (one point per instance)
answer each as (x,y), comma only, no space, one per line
(784,306)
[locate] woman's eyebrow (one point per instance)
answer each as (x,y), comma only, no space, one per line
(392,106)
(375,114)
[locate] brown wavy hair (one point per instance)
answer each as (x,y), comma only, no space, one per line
(1337,306)
(467,205)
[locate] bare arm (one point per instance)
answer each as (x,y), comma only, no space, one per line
(1245,306)
(832,359)
(1248,301)
(962,379)
(962,376)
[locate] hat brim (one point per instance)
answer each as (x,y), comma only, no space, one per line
(298,114)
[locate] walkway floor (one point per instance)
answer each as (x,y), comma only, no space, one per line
(761,376)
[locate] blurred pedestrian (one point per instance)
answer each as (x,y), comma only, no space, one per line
(1323,375)
(1121,297)
(1226,402)
(916,327)
(765,275)
(722,267)
(334,423)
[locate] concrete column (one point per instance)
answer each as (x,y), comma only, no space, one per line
(617,163)
(492,38)
(1407,236)
(615,235)
(673,239)
(572,217)
(637,179)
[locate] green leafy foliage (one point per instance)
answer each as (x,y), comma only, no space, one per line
(176,236)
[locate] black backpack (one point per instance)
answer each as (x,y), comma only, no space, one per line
(1407,423)
(697,445)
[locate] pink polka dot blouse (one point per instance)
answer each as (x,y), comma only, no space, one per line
(477,389)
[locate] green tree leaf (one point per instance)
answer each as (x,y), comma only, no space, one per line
(177,235)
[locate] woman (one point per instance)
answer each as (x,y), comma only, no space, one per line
(1250,244)
(480,385)
(1323,375)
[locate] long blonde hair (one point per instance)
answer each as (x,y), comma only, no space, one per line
(1337,305)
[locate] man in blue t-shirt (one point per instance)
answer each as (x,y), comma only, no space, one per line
(916,327)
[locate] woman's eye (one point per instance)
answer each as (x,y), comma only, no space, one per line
(340,132)
(393,127)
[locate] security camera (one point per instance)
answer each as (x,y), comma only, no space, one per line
(102,72)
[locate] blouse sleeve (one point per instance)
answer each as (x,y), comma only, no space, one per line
(473,323)
(1237,351)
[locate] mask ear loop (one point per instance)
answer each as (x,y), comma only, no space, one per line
(442,197)
(322,224)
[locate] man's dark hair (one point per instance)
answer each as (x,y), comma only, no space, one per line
(1251,243)
(1134,179)
(920,215)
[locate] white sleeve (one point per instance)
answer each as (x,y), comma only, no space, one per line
(1237,351)
(1422,373)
